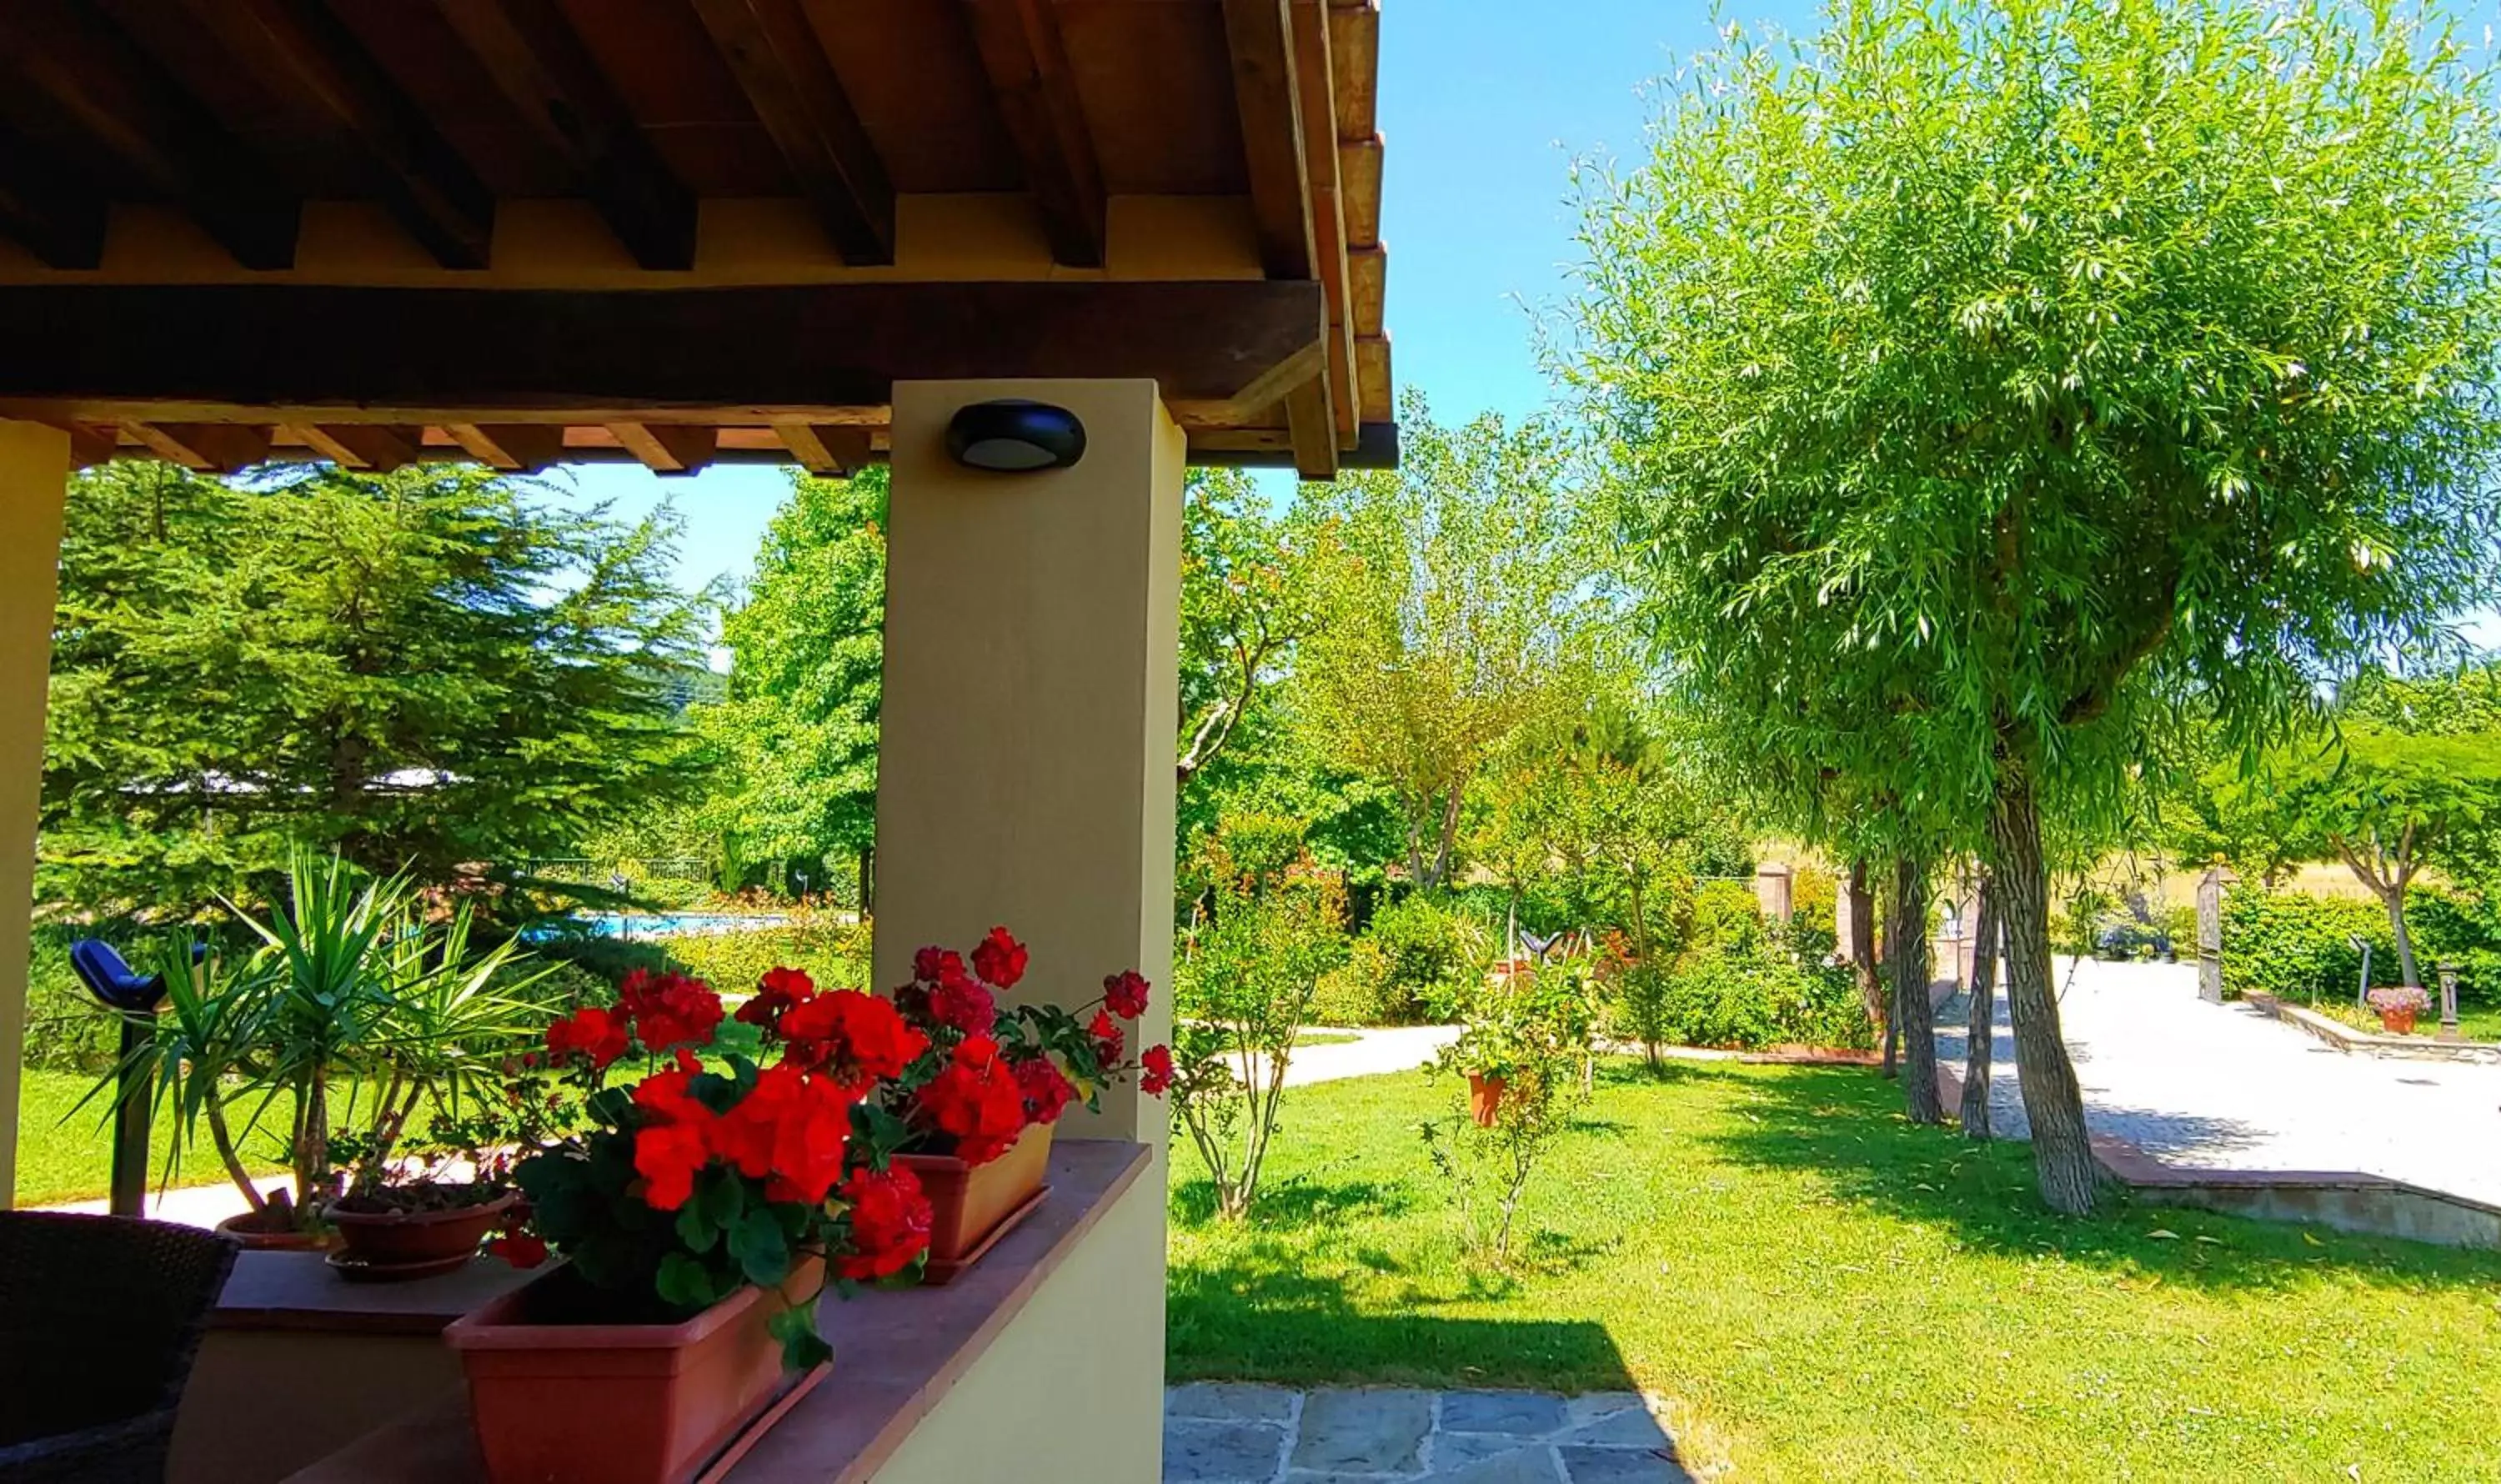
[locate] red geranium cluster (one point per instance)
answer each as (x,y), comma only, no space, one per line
(997,1072)
(785,1133)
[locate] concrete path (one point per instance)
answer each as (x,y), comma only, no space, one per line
(2227,1086)
(1226,1434)
(1391,1049)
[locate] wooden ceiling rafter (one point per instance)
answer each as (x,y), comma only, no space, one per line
(1259,37)
(215,448)
(1025,58)
(1316,76)
(377,448)
(45,209)
(538,63)
(667,448)
(514,448)
(298,49)
(781,67)
(827,449)
(123,102)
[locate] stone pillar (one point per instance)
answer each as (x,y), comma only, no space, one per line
(2448,1004)
(1025,779)
(2210,933)
(34,475)
(1775,891)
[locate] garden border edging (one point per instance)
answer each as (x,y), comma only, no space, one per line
(2346,1039)
(2347,1200)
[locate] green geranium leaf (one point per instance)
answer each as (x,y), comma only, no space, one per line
(685,1282)
(762,1250)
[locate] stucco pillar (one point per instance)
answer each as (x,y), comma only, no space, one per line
(1027,778)
(34,480)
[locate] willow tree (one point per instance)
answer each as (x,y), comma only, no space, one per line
(2041,361)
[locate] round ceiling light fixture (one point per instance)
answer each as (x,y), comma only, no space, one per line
(1015,436)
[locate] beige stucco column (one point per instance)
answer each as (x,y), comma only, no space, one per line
(34,477)
(1025,779)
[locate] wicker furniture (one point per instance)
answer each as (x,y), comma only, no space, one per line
(100,1317)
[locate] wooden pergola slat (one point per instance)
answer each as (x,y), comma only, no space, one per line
(1259,35)
(773,52)
(299,50)
(78,65)
(540,66)
(1026,62)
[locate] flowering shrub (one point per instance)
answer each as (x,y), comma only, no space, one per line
(745,1145)
(2398,999)
(991,1073)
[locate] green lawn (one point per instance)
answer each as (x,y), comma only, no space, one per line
(1303,1038)
(1827,1293)
(2475,1023)
(66,1156)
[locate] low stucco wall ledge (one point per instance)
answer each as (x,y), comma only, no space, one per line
(897,1354)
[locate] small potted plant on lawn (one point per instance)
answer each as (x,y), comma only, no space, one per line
(2398,1005)
(702,1210)
(1513,1026)
(979,1103)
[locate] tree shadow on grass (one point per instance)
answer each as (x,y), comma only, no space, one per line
(1844,1127)
(1302,1201)
(1262,1313)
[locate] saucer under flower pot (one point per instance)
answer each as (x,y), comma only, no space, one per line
(973,1205)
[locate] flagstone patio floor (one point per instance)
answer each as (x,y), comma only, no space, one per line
(1222,1433)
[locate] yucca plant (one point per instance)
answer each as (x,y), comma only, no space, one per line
(353,1015)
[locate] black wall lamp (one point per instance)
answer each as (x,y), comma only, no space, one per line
(1015,436)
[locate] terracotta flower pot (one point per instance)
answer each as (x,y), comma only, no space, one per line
(2398,1022)
(387,1242)
(259,1233)
(560,1398)
(973,1205)
(1484,1097)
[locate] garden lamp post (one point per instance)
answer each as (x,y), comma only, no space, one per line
(2449,1002)
(2362,990)
(133,999)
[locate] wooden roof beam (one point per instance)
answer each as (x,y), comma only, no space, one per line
(826,449)
(44,208)
(75,64)
(780,66)
(299,50)
(542,68)
(1027,65)
(1260,35)
(217,448)
(373,447)
(514,448)
(1314,75)
(666,448)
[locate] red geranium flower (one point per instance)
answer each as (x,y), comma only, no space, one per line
(1000,959)
(889,1219)
(1157,1070)
(1046,1089)
(779,991)
(1110,1041)
(858,1038)
(590,1031)
(1125,993)
(672,1144)
(933,963)
(668,1009)
(966,1003)
(975,1098)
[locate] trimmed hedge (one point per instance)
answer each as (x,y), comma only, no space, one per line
(2298,947)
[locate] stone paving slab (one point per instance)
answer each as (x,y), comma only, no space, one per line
(1224,1433)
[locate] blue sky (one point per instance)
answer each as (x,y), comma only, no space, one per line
(1483,109)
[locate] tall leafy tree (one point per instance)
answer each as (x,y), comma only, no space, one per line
(1454,600)
(2029,364)
(806,643)
(428,669)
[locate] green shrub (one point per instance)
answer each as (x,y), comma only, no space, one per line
(66,1029)
(1752,996)
(836,955)
(1417,956)
(1726,914)
(2298,947)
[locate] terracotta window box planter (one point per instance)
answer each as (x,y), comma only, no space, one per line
(973,1205)
(560,1398)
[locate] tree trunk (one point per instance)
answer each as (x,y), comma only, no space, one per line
(1983,1012)
(1861,948)
(2394,900)
(867,883)
(1907,957)
(2053,1102)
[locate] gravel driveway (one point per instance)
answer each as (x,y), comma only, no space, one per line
(2226,1085)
